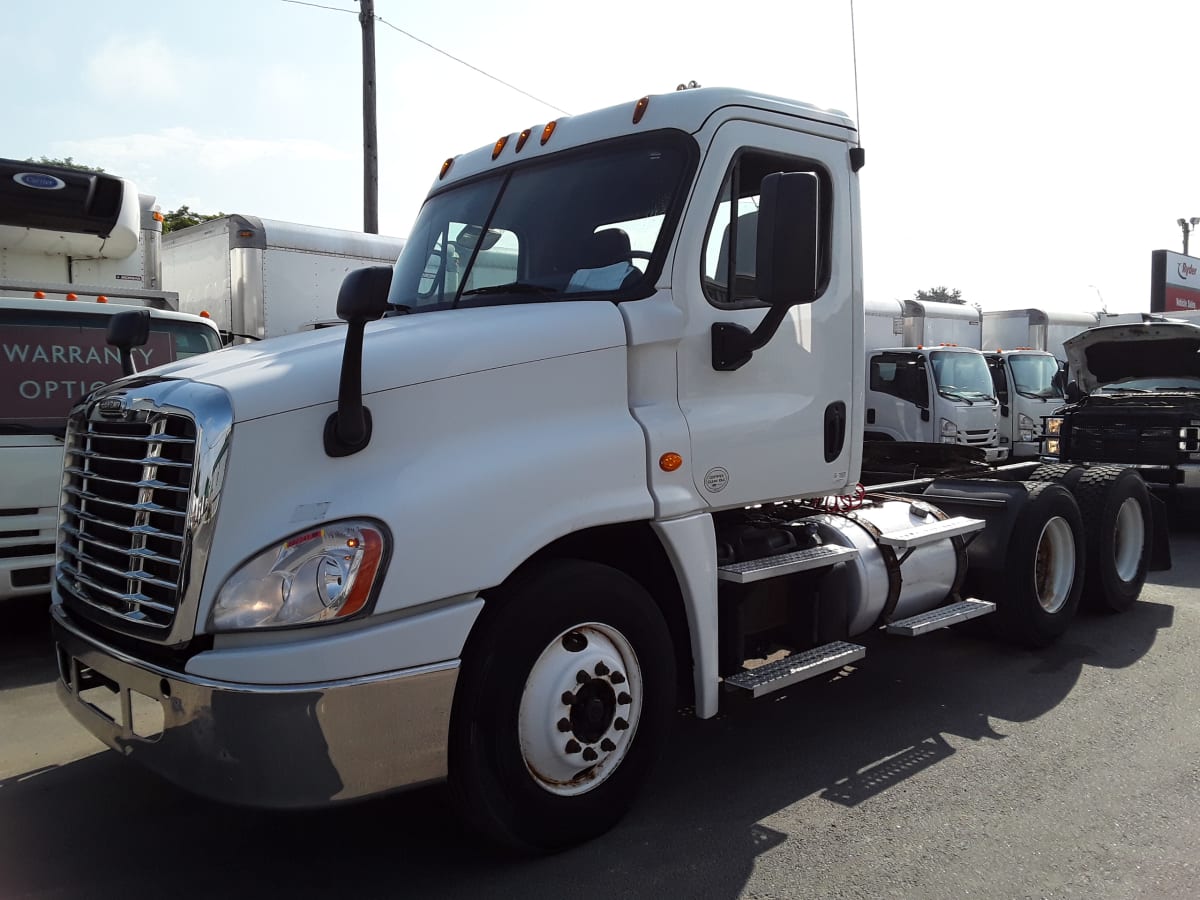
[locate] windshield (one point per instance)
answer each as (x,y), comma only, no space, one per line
(50,360)
(961,376)
(1033,376)
(1153,383)
(570,226)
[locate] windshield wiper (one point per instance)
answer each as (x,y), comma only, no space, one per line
(956,395)
(513,287)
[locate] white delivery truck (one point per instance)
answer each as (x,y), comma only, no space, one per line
(1033,329)
(1029,385)
(83,235)
(927,382)
(260,278)
(505,524)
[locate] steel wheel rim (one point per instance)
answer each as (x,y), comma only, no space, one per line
(580,709)
(1054,564)
(1128,537)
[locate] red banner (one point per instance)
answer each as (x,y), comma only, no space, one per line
(46,369)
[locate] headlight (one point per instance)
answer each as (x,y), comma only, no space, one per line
(1189,438)
(1054,425)
(322,574)
(1051,447)
(949,431)
(1027,427)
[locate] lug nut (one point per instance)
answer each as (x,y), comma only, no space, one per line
(573,746)
(607,746)
(564,725)
(590,755)
(624,699)
(567,698)
(620,724)
(601,669)
(582,677)
(617,678)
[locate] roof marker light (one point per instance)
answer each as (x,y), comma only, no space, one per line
(158,217)
(499,148)
(548,130)
(101,299)
(39,295)
(204,314)
(640,109)
(522,138)
(72,296)
(446,168)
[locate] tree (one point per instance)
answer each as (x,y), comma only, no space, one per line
(185,218)
(940,294)
(67,163)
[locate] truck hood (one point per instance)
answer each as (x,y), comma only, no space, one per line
(300,370)
(1103,355)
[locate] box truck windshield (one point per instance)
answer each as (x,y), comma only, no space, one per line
(50,360)
(961,376)
(1033,376)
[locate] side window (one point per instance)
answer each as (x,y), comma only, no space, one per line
(900,375)
(999,379)
(730,248)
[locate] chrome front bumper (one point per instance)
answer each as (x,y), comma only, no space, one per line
(267,746)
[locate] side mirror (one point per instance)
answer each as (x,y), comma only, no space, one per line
(1004,410)
(788,244)
(127,330)
(787,259)
(1074,394)
(363,298)
(924,414)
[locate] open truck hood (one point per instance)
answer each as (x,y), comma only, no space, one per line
(1109,353)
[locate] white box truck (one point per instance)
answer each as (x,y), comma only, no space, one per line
(84,236)
(503,526)
(927,382)
(260,278)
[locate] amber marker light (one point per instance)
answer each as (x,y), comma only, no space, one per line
(640,109)
(446,168)
(204,314)
(499,147)
(72,296)
(101,299)
(669,462)
(549,130)
(39,295)
(158,217)
(372,550)
(522,138)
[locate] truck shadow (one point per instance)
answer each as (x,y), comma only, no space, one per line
(102,827)
(26,650)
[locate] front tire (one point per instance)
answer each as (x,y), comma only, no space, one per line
(562,704)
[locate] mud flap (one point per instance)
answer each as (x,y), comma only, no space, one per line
(1160,551)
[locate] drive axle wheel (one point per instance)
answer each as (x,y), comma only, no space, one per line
(1044,566)
(1116,511)
(564,697)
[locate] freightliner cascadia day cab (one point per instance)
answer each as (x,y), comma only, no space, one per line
(926,379)
(504,524)
(260,278)
(93,238)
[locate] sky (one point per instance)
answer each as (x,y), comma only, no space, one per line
(1029,154)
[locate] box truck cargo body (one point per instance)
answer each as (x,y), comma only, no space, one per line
(1033,329)
(260,278)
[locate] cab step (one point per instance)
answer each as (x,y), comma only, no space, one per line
(785,563)
(911,538)
(797,667)
(940,617)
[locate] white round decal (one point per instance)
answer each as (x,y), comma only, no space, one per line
(715,480)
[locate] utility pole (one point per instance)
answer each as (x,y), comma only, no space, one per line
(366,17)
(1188,226)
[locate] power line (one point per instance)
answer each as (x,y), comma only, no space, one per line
(462,62)
(465,63)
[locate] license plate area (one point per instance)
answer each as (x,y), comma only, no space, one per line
(135,713)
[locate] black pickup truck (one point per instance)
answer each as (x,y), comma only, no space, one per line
(1134,401)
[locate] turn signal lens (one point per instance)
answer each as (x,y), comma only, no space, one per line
(640,109)
(446,168)
(669,462)
(549,130)
(522,138)
(499,148)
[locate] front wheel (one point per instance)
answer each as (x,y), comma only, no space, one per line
(564,698)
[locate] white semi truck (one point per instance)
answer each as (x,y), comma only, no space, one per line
(84,236)
(260,278)
(506,523)
(927,382)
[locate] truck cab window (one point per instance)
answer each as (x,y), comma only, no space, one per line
(902,375)
(730,247)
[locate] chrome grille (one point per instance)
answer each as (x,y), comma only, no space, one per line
(122,530)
